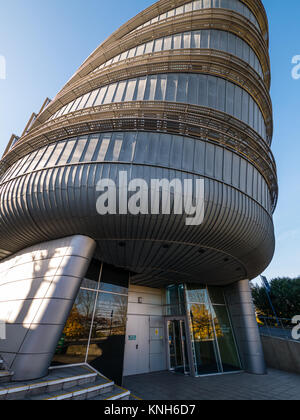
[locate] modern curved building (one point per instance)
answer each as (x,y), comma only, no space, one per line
(179,94)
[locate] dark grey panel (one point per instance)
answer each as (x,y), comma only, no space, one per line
(241,308)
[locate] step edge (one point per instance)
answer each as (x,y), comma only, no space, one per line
(10,390)
(80,392)
(118,396)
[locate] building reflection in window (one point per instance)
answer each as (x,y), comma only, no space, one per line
(95,330)
(213,342)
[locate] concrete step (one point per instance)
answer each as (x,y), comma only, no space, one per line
(80,392)
(80,382)
(116,393)
(58,380)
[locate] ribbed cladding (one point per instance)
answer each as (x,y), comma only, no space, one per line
(198,157)
(61,198)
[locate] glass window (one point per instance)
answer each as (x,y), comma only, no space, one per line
(114,280)
(195,42)
(140,91)
(203,339)
(100,96)
(175,301)
(67,152)
(213,344)
(103,147)
(161,86)
(128,147)
(90,150)
(95,330)
(177,42)
(92,98)
(172,83)
(77,153)
(120,91)
(92,277)
(107,344)
(204,39)
(72,347)
(226,342)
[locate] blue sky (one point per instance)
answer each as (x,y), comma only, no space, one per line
(44,42)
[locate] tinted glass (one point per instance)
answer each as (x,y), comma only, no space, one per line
(91,279)
(72,346)
(106,351)
(114,280)
(228,352)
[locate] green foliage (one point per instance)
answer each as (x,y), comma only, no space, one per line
(285,295)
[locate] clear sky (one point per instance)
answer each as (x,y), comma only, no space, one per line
(44,42)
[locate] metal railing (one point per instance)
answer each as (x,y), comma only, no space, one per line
(280,328)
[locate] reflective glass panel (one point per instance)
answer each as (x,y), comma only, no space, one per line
(227,346)
(114,280)
(203,338)
(106,350)
(72,346)
(175,301)
(214,346)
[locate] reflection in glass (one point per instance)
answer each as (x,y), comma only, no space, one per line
(95,329)
(216,295)
(213,342)
(106,351)
(178,346)
(72,346)
(203,339)
(92,277)
(228,351)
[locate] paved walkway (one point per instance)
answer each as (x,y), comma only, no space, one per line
(163,386)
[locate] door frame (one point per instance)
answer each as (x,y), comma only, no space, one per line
(188,342)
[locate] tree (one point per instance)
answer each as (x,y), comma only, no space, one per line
(285,295)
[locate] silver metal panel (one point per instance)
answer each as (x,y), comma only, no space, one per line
(34,304)
(241,308)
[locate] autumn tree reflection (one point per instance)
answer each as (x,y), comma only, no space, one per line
(202,325)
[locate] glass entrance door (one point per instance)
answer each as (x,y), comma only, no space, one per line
(178,346)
